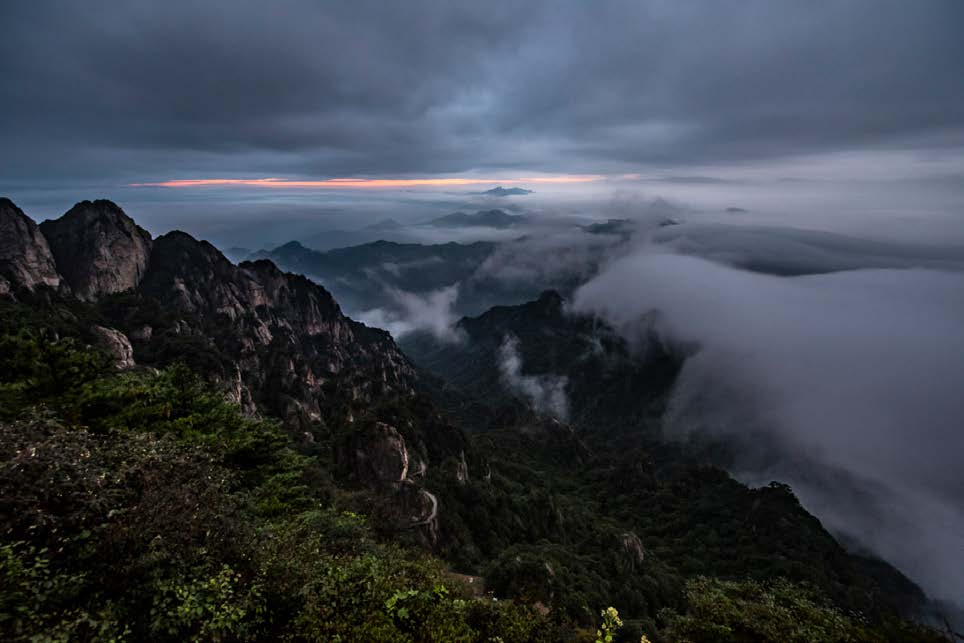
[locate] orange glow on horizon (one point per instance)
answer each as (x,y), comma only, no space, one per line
(368,183)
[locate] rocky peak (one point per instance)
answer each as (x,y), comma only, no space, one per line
(195,277)
(286,333)
(299,299)
(291,246)
(25,257)
(98,249)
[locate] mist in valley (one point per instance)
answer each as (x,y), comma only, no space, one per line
(824,359)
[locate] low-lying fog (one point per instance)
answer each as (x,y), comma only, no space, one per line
(852,378)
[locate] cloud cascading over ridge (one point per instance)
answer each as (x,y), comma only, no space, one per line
(848,381)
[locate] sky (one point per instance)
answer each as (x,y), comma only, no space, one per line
(857,107)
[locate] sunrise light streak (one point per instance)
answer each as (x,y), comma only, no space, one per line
(369,183)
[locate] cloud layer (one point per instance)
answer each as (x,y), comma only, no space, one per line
(143,91)
(431,312)
(544,393)
(846,384)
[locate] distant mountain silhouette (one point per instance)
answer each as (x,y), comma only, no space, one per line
(501,191)
(482,218)
(384,230)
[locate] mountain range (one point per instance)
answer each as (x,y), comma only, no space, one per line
(498,219)
(526,458)
(385,230)
(364,277)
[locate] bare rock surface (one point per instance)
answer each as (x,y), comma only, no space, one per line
(98,249)
(116,344)
(297,353)
(25,257)
(380,455)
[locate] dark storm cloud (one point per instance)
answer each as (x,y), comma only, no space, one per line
(146,90)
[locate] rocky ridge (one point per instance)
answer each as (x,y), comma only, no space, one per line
(25,257)
(276,342)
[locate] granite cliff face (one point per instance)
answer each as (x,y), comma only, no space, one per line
(98,249)
(284,336)
(278,342)
(25,257)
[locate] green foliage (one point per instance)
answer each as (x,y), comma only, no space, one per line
(779,611)
(609,626)
(38,366)
(37,600)
(749,611)
(175,401)
(144,506)
(220,607)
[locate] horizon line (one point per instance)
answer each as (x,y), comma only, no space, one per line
(363,183)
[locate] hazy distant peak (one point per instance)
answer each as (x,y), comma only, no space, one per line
(483,218)
(501,191)
(385,224)
(291,245)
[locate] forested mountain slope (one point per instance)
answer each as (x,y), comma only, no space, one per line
(192,449)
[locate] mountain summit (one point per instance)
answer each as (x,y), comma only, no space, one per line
(98,249)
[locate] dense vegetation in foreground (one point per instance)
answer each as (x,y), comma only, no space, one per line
(143,506)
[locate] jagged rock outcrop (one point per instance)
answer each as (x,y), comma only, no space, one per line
(298,355)
(115,344)
(380,458)
(409,507)
(420,508)
(629,553)
(25,257)
(98,249)
(380,455)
